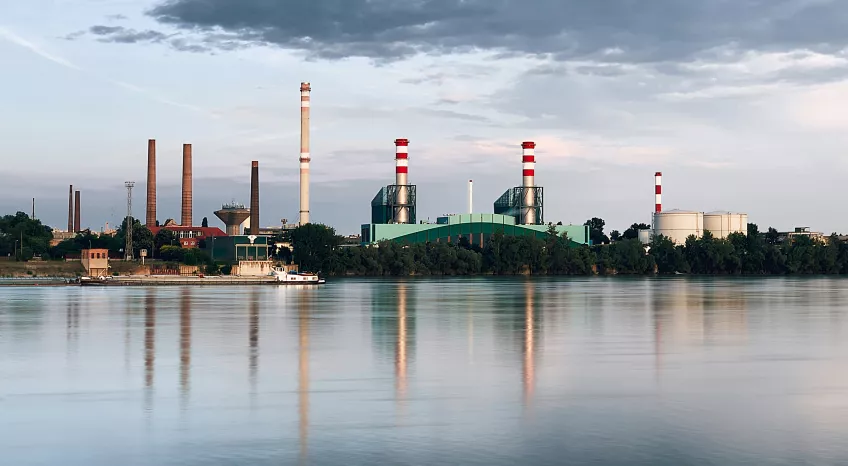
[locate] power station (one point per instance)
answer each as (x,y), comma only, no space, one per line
(518,212)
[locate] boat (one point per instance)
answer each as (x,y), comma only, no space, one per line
(297,278)
(95,281)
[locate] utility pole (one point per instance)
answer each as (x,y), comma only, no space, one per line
(128,250)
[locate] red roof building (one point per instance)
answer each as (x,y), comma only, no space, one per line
(197,233)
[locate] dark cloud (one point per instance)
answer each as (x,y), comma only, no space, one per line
(610,30)
(124,35)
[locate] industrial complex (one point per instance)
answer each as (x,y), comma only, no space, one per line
(519,211)
(677,225)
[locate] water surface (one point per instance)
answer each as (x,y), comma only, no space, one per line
(482,371)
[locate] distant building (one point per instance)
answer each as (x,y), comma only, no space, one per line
(238,248)
(803,231)
(189,243)
(197,233)
(95,261)
(59,236)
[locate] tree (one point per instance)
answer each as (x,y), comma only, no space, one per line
(19,233)
(204,223)
(596,231)
(615,235)
(772,237)
(313,246)
(142,237)
(164,237)
(668,257)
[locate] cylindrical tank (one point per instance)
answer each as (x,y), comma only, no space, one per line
(721,224)
(645,236)
(677,225)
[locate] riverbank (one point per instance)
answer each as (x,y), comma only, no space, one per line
(57,269)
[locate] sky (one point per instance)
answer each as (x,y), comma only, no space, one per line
(742,104)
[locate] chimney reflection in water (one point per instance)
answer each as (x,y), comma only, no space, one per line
(253,338)
(149,344)
(401,345)
(72,329)
(185,343)
(304,308)
(529,361)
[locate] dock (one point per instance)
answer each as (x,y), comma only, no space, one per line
(159,280)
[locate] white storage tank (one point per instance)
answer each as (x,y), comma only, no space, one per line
(645,236)
(677,225)
(722,224)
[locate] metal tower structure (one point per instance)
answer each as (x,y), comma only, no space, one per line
(128,249)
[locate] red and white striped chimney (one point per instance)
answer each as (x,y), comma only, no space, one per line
(529,181)
(658,191)
(401,179)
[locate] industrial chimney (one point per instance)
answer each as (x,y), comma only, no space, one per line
(402,180)
(71,208)
(529,177)
(470,196)
(658,192)
(187,180)
(150,221)
(305,89)
(254,197)
(77,222)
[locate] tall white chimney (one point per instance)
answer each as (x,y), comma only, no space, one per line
(470,196)
(305,89)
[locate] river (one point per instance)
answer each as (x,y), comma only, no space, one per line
(488,371)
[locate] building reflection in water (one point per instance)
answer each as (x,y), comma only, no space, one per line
(149,344)
(253,339)
(304,314)
(697,313)
(185,344)
(529,343)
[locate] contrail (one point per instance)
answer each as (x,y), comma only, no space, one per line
(20,41)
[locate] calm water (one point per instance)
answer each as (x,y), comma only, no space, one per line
(428,372)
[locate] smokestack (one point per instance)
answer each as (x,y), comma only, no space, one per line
(401,179)
(151,183)
(187,180)
(71,208)
(305,89)
(658,192)
(33,209)
(77,228)
(470,196)
(254,198)
(529,177)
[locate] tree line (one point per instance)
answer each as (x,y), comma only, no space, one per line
(317,248)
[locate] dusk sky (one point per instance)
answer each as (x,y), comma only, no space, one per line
(742,104)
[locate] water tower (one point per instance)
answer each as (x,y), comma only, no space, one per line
(233,215)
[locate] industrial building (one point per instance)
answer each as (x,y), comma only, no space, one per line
(518,212)
(677,225)
(238,248)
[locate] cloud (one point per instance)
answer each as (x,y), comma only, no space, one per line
(616,30)
(124,35)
